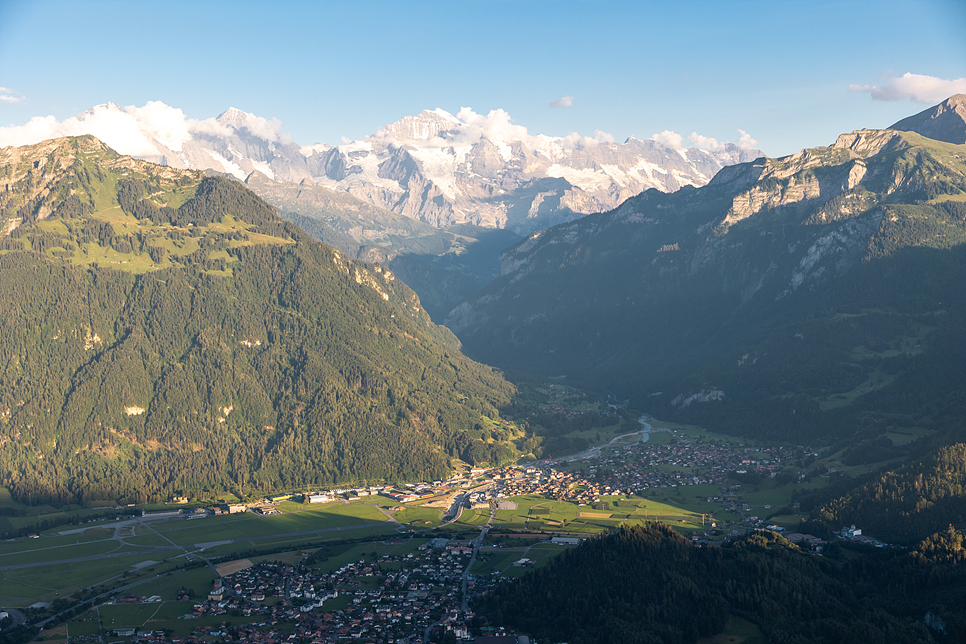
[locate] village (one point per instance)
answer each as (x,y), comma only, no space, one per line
(381,600)
(421,584)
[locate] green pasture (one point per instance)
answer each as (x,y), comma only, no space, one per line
(420,516)
(724,515)
(785,520)
(564,516)
(333,557)
(501,560)
(148,540)
(693,431)
(496,560)
(540,554)
(386,529)
(25,586)
(198,580)
(85,625)
(69,551)
(237,526)
(473,518)
(659,438)
(291,557)
(46,543)
(768,492)
(164,616)
(877,379)
(338,603)
(53,635)
(906,435)
(138,615)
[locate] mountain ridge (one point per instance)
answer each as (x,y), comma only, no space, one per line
(943,122)
(162,330)
(713,293)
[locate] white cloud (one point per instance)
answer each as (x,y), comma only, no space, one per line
(918,87)
(745,142)
(263,128)
(563,101)
(137,131)
(268,129)
(166,124)
(107,122)
(703,141)
(7,95)
(669,138)
(210,127)
(496,126)
(603,137)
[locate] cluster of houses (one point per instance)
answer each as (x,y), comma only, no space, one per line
(401,493)
(548,482)
(684,461)
(389,599)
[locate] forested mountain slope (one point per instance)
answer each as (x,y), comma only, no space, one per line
(163,331)
(805,296)
(648,585)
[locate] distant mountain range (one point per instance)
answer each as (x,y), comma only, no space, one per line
(434,196)
(444,169)
(434,167)
(789,296)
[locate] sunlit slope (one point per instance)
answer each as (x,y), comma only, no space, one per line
(162,331)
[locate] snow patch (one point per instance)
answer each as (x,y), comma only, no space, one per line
(230,168)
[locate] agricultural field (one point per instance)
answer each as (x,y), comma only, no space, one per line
(500,560)
(538,513)
(420,516)
(331,558)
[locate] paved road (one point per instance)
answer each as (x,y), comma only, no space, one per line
(466,572)
(476,550)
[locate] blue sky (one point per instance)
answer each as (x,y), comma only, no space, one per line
(780,71)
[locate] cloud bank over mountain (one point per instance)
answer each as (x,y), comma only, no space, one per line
(916,87)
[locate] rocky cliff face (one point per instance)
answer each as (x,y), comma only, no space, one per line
(943,122)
